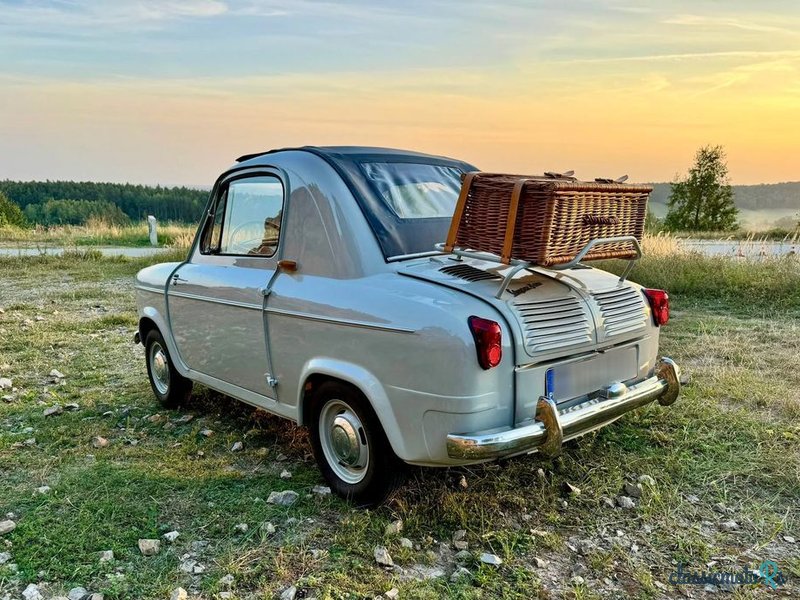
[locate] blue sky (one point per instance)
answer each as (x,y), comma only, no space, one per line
(179,87)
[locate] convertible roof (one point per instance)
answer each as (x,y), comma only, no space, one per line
(347,151)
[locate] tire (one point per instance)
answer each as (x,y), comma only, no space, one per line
(351,448)
(170,387)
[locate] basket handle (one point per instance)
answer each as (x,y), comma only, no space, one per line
(460,205)
(511,224)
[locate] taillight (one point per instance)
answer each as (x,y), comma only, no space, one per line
(488,341)
(659,303)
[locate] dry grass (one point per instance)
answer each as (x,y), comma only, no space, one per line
(99,233)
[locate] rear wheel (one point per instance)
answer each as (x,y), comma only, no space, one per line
(169,386)
(350,446)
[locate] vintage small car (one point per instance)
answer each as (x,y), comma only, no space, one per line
(315,290)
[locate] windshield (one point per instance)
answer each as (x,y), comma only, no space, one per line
(413,190)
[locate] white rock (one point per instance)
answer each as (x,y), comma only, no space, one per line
(392,594)
(206,433)
(289,593)
(268,528)
(284,498)
(321,490)
(789,539)
(286,474)
(382,556)
(463,556)
(625,502)
(241,527)
(729,526)
(106,556)
(4,557)
(394,527)
(99,442)
(577,580)
(77,593)
(6,383)
(32,593)
(406,543)
(45,489)
(237,447)
(460,573)
(491,559)
(56,409)
(459,539)
(225,595)
(7,527)
(647,480)
(171,536)
(179,594)
(539,562)
(226,581)
(149,547)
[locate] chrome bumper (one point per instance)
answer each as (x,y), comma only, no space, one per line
(553,426)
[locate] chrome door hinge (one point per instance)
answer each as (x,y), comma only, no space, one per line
(271,381)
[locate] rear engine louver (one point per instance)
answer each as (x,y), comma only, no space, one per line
(552,325)
(622,309)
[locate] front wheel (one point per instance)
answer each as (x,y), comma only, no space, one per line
(350,446)
(169,386)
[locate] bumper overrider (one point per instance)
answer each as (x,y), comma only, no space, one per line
(552,426)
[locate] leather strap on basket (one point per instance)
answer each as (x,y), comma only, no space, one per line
(460,205)
(511,224)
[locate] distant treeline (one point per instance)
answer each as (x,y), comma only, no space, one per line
(764,196)
(74,203)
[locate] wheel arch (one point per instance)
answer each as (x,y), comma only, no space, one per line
(150,319)
(320,370)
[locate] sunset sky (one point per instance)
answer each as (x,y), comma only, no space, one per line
(171,91)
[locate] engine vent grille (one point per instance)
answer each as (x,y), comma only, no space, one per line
(622,310)
(552,325)
(468,272)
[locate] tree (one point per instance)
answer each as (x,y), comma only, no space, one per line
(10,213)
(703,201)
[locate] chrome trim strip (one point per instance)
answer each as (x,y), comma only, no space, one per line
(334,321)
(663,386)
(214,300)
(147,288)
(425,254)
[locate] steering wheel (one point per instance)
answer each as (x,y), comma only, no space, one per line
(255,229)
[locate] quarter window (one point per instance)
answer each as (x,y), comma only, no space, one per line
(252,221)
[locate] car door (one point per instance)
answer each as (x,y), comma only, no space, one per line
(216,300)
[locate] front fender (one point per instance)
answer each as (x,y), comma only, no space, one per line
(367,383)
(160,321)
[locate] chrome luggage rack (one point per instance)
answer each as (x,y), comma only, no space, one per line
(520,265)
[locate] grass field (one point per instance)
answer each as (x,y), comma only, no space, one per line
(728,451)
(98,233)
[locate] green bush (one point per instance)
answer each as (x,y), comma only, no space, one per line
(10,213)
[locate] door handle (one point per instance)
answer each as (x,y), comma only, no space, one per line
(176,279)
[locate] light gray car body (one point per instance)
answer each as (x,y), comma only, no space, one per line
(395,328)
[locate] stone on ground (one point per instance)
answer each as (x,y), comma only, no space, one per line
(149,547)
(284,498)
(382,556)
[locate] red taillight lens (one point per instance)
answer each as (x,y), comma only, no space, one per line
(659,303)
(488,341)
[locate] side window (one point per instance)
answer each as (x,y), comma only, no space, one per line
(213,234)
(247,218)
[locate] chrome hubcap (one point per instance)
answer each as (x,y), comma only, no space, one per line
(159,367)
(344,441)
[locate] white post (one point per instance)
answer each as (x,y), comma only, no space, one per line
(151,225)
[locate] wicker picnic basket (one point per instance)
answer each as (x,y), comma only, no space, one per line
(546,220)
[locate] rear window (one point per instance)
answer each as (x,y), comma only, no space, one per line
(415,190)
